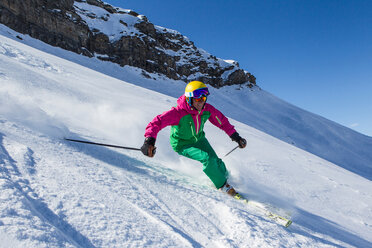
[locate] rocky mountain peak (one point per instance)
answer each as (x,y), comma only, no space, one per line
(96,29)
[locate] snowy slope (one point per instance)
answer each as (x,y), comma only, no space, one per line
(59,194)
(261,110)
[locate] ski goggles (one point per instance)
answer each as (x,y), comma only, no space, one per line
(198,93)
(200,99)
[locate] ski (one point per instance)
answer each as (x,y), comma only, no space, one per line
(260,206)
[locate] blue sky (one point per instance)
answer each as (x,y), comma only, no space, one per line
(314,54)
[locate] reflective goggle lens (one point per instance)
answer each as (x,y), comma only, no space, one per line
(199,99)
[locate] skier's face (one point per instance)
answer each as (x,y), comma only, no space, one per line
(198,105)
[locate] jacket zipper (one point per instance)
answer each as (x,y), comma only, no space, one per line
(197,127)
(192,131)
(197,123)
(218,120)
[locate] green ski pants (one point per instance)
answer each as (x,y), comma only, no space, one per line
(213,166)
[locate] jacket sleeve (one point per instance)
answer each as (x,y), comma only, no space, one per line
(161,121)
(219,120)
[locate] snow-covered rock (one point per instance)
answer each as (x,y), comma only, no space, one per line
(96,29)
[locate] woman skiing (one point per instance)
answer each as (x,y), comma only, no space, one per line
(187,136)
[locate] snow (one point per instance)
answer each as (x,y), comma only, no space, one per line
(60,194)
(107,23)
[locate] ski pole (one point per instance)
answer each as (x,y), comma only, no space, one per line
(231,151)
(100,144)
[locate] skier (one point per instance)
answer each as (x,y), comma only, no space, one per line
(187,136)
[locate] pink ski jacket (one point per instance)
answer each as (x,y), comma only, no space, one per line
(187,123)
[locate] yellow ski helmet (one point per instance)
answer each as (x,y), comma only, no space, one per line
(195,89)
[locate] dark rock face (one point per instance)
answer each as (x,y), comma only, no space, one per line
(48,21)
(75,26)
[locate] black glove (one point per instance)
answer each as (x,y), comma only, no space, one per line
(148,148)
(236,137)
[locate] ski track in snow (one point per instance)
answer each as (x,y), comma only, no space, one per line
(14,181)
(60,194)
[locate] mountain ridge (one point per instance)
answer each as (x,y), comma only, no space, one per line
(96,29)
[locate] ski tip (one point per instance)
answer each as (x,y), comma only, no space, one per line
(277,218)
(289,222)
